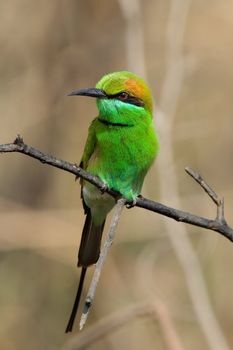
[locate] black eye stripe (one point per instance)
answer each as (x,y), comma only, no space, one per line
(130,99)
(135,101)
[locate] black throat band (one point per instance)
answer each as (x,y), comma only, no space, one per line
(106,122)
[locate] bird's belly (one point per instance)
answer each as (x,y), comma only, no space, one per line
(99,203)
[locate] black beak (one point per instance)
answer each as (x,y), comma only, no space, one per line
(92,92)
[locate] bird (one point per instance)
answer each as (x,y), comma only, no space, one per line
(121,146)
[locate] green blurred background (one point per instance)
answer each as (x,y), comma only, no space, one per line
(49,48)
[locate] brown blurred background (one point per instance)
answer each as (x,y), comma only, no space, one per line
(49,48)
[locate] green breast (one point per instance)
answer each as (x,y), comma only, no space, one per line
(123,155)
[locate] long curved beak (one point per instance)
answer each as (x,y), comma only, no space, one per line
(91,92)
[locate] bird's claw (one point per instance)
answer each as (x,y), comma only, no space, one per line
(76,176)
(103,188)
(131,204)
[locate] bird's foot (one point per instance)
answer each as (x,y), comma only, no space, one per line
(103,188)
(131,204)
(77,176)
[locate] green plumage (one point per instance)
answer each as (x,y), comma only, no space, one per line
(120,148)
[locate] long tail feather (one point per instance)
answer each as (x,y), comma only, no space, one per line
(76,302)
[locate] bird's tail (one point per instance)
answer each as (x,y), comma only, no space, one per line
(69,326)
(89,249)
(88,254)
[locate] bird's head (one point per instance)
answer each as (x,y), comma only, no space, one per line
(123,98)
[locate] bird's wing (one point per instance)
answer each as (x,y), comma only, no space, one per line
(88,151)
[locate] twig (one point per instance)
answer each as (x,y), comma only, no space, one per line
(100,263)
(213,195)
(215,225)
(19,146)
(155,310)
(188,218)
(196,176)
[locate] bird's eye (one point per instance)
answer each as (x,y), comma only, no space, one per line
(123,96)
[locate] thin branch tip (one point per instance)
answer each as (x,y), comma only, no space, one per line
(18,140)
(212,194)
(199,179)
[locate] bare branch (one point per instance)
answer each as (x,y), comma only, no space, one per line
(188,218)
(100,263)
(215,198)
(196,176)
(217,225)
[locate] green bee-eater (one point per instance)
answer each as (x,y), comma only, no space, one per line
(120,148)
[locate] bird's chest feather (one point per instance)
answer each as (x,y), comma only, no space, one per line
(118,150)
(121,158)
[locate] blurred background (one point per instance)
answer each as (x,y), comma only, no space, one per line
(184,50)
